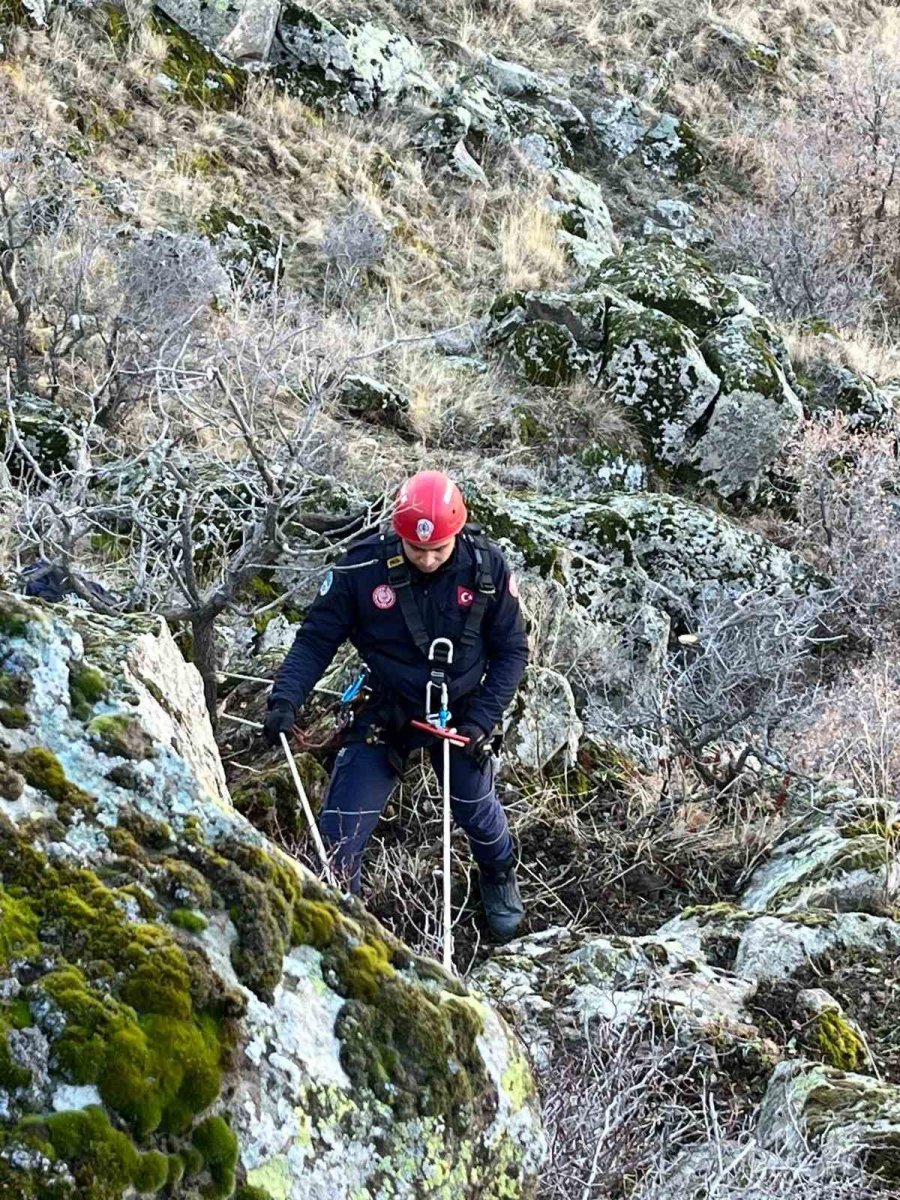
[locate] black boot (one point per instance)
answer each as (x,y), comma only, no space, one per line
(500,896)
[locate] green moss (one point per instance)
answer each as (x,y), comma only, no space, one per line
(838,1041)
(149,832)
(766,58)
(361,969)
(667,279)
(260,893)
(14,717)
(810,918)
(184,884)
(124,844)
(546,354)
(121,736)
(216,1141)
(14,689)
(186,918)
(315,923)
(13,1074)
(198,75)
(247,246)
(103,1161)
(859,854)
(252,1193)
(18,929)
(176,1169)
(416,1052)
(87,686)
(505,305)
(502,527)
(43,770)
(12,784)
(269,799)
(12,625)
(144,1021)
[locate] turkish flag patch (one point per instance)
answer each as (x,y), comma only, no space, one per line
(465,597)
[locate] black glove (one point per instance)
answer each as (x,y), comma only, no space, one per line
(479,743)
(279,719)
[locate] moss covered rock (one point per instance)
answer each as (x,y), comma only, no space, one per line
(352,66)
(756,409)
(853,1116)
(676,281)
(673,147)
(653,366)
(183,1009)
(194,71)
(705,379)
(375,402)
(609,552)
(821,867)
(48,431)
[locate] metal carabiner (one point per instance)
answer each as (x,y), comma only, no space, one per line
(438,716)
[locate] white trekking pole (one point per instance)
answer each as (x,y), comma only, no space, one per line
(304,799)
(308,812)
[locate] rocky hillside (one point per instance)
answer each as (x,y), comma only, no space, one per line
(629,275)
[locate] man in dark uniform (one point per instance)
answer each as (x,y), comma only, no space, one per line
(430,577)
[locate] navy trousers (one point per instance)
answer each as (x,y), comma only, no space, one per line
(361,784)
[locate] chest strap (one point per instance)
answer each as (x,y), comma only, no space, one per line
(400,579)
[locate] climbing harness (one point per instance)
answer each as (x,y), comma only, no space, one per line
(400,580)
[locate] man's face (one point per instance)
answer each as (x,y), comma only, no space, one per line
(428,558)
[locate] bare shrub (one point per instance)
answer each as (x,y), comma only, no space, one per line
(629,1110)
(823,232)
(736,678)
(855,735)
(230,475)
(353,244)
(846,522)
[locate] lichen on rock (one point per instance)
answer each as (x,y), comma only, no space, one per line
(161,951)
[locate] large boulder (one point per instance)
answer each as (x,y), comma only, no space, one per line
(706,379)
(546,721)
(349,65)
(832,862)
(184,1006)
(555,981)
(622,550)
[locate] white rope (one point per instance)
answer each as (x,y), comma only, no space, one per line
(448,915)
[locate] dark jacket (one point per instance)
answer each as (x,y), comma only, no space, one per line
(355,603)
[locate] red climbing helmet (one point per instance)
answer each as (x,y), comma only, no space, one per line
(429,509)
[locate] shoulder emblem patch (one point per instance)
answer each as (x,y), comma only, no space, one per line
(513,587)
(325,586)
(384,596)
